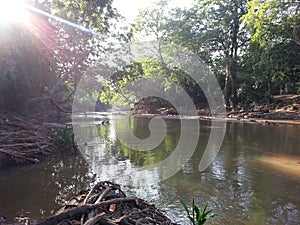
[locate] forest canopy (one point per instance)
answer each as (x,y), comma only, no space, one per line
(252,47)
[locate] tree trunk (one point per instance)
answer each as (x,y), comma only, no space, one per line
(233,98)
(233,55)
(227,82)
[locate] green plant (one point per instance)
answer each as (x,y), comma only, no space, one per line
(64,137)
(197,217)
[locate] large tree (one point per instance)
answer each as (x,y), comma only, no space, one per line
(274,20)
(213,29)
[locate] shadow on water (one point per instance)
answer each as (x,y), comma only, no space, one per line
(39,190)
(236,186)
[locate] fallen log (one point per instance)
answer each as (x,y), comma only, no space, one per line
(83,209)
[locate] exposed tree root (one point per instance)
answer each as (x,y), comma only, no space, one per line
(23,141)
(106,204)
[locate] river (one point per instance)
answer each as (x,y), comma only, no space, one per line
(254,178)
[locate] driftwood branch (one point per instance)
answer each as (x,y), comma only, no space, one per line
(106,204)
(82,209)
(16,154)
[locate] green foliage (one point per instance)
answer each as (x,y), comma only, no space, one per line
(195,215)
(151,22)
(271,21)
(216,31)
(90,14)
(211,29)
(267,69)
(64,138)
(114,88)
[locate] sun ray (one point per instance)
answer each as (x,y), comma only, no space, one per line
(63,21)
(12,11)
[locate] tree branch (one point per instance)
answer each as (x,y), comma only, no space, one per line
(56,87)
(82,209)
(53,102)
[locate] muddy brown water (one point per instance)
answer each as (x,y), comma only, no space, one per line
(253,180)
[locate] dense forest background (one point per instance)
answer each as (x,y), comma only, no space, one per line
(252,47)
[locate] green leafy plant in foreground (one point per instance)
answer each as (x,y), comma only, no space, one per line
(197,217)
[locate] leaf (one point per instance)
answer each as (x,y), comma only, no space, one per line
(202,222)
(212,214)
(184,206)
(199,218)
(198,214)
(206,204)
(193,207)
(206,214)
(192,220)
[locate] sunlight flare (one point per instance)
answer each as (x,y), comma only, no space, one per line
(12,11)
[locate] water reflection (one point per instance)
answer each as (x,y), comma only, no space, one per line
(138,167)
(233,184)
(238,188)
(38,191)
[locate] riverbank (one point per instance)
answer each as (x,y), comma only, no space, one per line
(29,140)
(266,116)
(284,109)
(294,119)
(26,140)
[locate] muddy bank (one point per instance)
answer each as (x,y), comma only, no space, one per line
(283,109)
(266,116)
(239,119)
